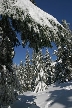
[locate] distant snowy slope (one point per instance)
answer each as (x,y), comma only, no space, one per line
(26,7)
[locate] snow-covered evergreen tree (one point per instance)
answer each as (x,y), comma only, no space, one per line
(63,68)
(20,72)
(9,84)
(34,70)
(68,41)
(53,63)
(40,85)
(28,72)
(36,27)
(15,67)
(47,68)
(8,79)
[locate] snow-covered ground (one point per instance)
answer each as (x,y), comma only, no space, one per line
(57,96)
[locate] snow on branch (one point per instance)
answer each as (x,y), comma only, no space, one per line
(26,7)
(34,23)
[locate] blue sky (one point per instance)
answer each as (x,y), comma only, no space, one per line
(60,9)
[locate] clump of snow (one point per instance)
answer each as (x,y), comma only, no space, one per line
(41,72)
(55,52)
(59,47)
(60,61)
(53,63)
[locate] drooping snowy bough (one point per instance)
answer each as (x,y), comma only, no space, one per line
(36,26)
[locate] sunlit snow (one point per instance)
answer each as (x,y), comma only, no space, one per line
(56,96)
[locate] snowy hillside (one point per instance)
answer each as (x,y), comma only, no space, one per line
(23,9)
(57,96)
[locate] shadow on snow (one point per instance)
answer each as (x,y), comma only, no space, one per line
(24,102)
(61,85)
(60,99)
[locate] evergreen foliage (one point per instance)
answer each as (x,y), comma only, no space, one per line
(63,68)
(28,72)
(34,70)
(9,84)
(40,79)
(47,68)
(20,72)
(8,79)
(11,22)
